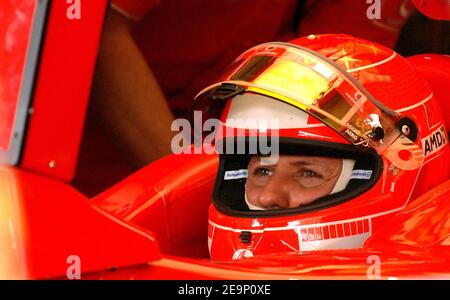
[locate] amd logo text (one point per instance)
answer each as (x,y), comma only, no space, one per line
(435,141)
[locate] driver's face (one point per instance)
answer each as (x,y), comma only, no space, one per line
(293,181)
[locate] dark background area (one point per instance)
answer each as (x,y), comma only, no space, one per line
(424,35)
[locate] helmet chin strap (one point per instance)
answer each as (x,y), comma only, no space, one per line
(341,183)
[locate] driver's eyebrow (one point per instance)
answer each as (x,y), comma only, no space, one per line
(305,163)
(317,165)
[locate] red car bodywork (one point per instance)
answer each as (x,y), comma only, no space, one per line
(153,225)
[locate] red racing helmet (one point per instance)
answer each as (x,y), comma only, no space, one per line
(332,96)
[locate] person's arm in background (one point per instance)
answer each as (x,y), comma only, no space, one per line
(126,96)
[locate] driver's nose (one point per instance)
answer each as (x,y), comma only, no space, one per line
(274,195)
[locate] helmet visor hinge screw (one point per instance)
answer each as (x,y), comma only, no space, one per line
(406,130)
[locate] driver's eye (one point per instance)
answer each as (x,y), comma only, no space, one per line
(262,172)
(309,173)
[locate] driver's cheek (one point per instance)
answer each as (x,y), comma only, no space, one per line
(300,195)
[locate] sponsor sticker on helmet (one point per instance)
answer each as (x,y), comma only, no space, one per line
(235,174)
(361,174)
(435,141)
(340,235)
